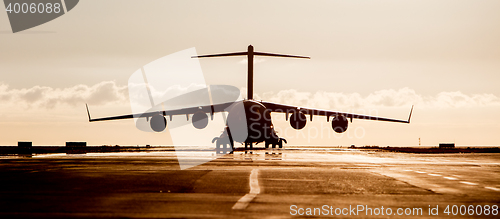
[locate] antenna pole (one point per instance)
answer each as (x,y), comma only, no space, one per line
(250,73)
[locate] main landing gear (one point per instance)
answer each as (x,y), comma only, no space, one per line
(224,143)
(275,143)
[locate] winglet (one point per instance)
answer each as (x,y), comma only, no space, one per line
(90,120)
(409,117)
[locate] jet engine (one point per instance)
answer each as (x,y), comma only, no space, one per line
(298,120)
(158,123)
(339,124)
(200,120)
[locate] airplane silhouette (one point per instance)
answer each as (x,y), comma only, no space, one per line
(257,114)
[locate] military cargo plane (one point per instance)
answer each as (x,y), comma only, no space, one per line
(256,115)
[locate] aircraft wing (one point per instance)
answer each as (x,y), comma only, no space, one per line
(275,107)
(184,111)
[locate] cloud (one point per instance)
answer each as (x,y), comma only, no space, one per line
(106,92)
(383,98)
(458,99)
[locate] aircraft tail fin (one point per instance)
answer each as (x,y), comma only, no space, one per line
(250,54)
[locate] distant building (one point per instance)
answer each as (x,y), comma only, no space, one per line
(70,144)
(24,144)
(24,147)
(446,145)
(76,147)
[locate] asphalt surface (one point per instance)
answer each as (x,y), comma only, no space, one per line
(252,184)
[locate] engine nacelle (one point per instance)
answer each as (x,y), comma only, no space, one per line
(200,120)
(298,120)
(339,124)
(158,123)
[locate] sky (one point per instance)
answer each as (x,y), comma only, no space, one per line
(370,57)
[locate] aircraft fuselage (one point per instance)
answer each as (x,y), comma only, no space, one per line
(259,126)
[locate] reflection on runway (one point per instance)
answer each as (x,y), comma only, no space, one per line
(251,183)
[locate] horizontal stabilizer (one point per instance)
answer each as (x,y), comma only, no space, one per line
(222,54)
(250,53)
(279,55)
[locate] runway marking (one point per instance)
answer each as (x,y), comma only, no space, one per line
(305,180)
(450,178)
(420,172)
(468,183)
(492,188)
(433,174)
(254,191)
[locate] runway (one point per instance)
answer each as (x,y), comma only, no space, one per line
(251,184)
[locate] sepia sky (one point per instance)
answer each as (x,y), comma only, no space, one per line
(370,57)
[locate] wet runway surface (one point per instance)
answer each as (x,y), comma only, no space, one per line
(253,184)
